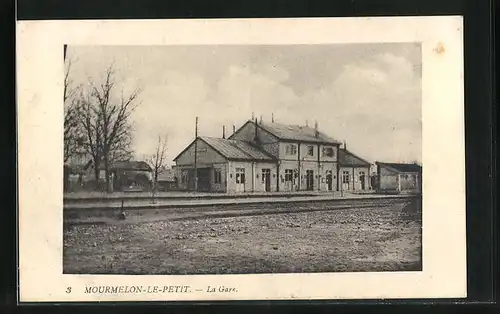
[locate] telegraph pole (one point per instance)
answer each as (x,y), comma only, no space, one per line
(196,155)
(342,186)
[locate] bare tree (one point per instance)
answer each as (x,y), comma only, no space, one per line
(157,161)
(92,143)
(72,127)
(106,121)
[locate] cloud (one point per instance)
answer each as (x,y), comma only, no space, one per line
(377,101)
(169,108)
(373,101)
(242,91)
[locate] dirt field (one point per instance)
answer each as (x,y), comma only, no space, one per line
(382,238)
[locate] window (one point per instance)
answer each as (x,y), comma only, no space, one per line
(310,150)
(266,174)
(288,175)
(240,175)
(217,176)
(328,151)
(345,176)
(184,177)
(291,149)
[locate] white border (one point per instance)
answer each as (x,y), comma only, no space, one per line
(40,75)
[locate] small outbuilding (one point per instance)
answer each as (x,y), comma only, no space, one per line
(399,177)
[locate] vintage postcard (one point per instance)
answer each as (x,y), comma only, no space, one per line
(241,159)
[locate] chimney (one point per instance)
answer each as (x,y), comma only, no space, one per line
(223,131)
(316,132)
(234,128)
(272,117)
(256,136)
(260,120)
(345,145)
(307,125)
(253,115)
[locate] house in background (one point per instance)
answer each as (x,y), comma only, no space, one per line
(74,176)
(399,177)
(125,175)
(167,181)
(261,157)
(354,172)
(131,175)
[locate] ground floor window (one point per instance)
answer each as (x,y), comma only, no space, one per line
(288,175)
(217,176)
(184,177)
(240,175)
(266,175)
(345,176)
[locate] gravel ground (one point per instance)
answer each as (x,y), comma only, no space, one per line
(386,238)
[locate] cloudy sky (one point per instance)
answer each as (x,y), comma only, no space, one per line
(366,94)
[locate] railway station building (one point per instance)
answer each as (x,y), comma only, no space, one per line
(261,157)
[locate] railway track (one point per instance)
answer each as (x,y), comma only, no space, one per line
(107,215)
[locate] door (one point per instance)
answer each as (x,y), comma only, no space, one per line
(329,180)
(289,180)
(309,179)
(240,179)
(345,180)
(187,179)
(362,180)
(266,179)
(204,179)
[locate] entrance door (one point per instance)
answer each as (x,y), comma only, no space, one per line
(204,179)
(240,179)
(329,180)
(362,180)
(187,179)
(309,179)
(266,179)
(345,180)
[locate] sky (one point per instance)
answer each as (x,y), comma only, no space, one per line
(368,95)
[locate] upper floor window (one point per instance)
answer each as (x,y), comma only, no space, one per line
(291,149)
(328,151)
(310,150)
(288,175)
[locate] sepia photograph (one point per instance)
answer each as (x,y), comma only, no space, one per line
(239,159)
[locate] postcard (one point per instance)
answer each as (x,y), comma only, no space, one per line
(241,159)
